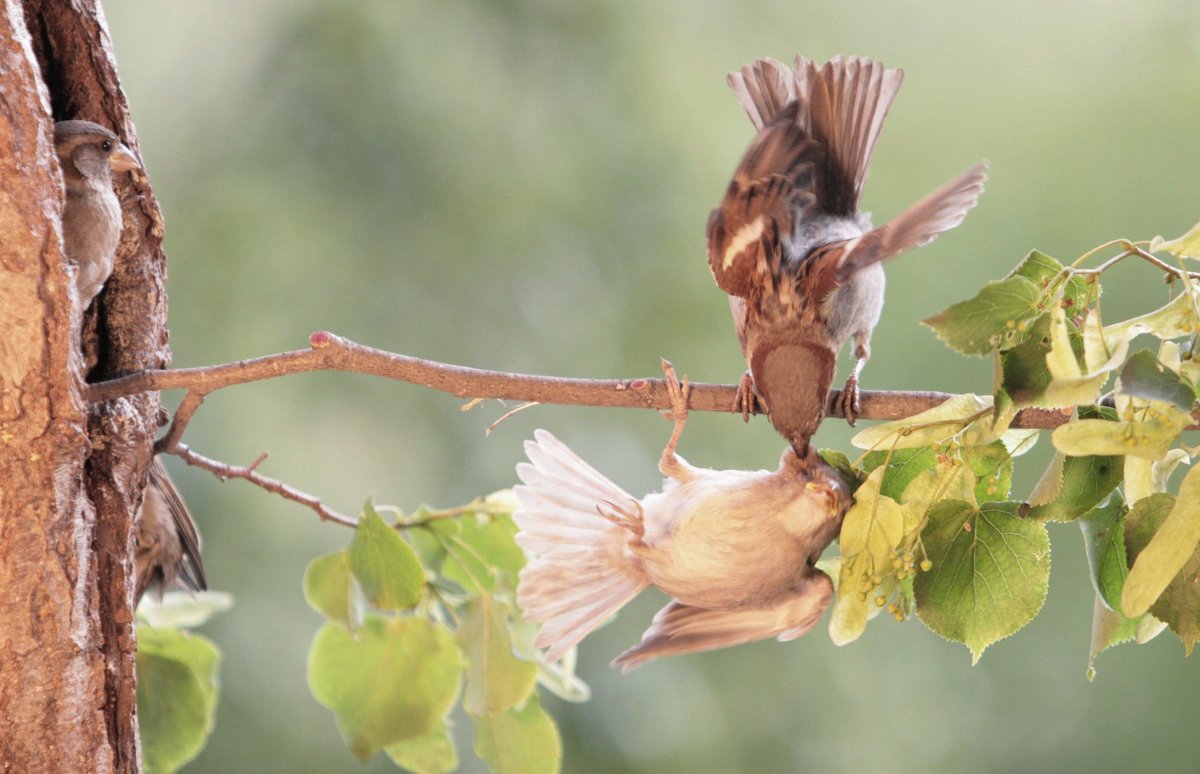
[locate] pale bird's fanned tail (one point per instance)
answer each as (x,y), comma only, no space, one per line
(579,571)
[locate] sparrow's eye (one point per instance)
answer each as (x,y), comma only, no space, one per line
(106,145)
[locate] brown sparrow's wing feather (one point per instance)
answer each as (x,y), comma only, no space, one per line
(192,567)
(763,89)
(844,104)
(772,186)
(940,211)
(679,628)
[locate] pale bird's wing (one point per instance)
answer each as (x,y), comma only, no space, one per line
(679,629)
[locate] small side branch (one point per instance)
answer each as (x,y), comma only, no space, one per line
(225,471)
(334,353)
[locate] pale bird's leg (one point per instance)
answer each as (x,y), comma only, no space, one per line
(849,401)
(747,401)
(669,463)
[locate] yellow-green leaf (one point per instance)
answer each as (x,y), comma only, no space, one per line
(431,753)
(519,741)
(328,586)
(1164,556)
(1083,437)
(394,680)
(1083,483)
(1176,318)
(872,529)
(176,696)
(991,569)
(1186,246)
(935,425)
(496,679)
(384,565)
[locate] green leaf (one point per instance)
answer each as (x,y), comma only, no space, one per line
(1186,246)
(384,565)
(997,318)
(1104,538)
(183,609)
(176,696)
(1023,374)
(519,741)
(903,465)
(1086,481)
(477,548)
(496,679)
(328,586)
(990,572)
(845,468)
(431,753)
(1162,558)
(1144,377)
(993,468)
(1041,269)
(395,680)
(1109,628)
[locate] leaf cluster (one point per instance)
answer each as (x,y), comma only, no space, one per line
(421,617)
(935,529)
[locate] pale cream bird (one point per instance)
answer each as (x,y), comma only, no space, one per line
(735,549)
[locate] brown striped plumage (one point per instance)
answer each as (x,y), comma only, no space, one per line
(800,262)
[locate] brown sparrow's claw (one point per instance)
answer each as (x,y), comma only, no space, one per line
(747,401)
(849,401)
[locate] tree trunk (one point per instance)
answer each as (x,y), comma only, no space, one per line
(70,483)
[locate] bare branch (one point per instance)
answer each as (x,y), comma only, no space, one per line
(225,471)
(334,353)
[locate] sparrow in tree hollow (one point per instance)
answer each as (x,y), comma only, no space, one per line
(168,544)
(800,263)
(735,549)
(89,154)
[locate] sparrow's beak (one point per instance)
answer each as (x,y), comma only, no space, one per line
(122,159)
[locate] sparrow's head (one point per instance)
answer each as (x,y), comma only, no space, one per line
(818,478)
(90,153)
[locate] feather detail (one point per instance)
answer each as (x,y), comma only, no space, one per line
(577,526)
(679,628)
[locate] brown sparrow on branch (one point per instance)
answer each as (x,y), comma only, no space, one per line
(168,545)
(800,262)
(736,549)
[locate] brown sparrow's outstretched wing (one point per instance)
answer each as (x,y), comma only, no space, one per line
(678,629)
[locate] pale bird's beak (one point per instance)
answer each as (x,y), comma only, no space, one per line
(122,159)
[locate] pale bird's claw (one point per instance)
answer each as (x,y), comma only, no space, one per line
(677,391)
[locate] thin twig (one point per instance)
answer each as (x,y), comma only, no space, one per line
(187,409)
(225,471)
(334,353)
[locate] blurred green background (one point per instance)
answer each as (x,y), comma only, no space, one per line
(524,185)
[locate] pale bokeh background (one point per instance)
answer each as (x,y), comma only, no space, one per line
(524,185)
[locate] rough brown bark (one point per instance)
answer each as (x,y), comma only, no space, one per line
(67,647)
